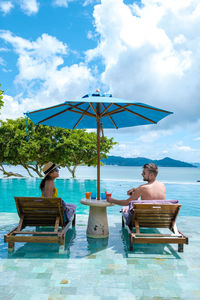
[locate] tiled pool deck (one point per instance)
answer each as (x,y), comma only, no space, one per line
(101,269)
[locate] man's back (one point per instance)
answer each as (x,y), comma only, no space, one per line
(152,191)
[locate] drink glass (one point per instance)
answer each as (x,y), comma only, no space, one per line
(88,195)
(108,194)
(93,196)
(103,196)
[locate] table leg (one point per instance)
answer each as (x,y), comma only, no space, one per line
(97,222)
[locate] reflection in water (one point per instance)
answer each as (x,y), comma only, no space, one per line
(145,248)
(96,245)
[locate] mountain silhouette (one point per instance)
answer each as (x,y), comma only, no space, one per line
(140,161)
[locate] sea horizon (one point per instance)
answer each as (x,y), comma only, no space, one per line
(175,175)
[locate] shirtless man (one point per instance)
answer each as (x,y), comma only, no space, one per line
(152,190)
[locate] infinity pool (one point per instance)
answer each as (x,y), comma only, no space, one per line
(74,190)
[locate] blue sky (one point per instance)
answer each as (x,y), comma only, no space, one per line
(147,51)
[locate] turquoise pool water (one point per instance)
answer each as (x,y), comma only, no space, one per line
(73,190)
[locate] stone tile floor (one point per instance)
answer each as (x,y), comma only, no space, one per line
(100,268)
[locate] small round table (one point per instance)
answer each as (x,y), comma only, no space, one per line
(97,222)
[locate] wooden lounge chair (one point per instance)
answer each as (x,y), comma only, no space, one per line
(37,212)
(155,216)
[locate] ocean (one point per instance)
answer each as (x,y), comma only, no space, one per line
(181,184)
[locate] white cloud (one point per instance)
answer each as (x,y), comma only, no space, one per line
(179,39)
(197,139)
(151,136)
(11,108)
(186,148)
(2,62)
(125,150)
(157,149)
(88,2)
(151,53)
(181,147)
(43,77)
(62,3)
(165,152)
(6,6)
(90,35)
(38,58)
(29,6)
(4,49)
(44,46)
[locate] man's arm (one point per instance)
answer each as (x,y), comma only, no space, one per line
(135,195)
(130,192)
(119,202)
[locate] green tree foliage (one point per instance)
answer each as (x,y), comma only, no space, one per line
(78,147)
(14,149)
(70,148)
(1,97)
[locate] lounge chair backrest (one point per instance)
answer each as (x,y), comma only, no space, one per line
(155,215)
(37,211)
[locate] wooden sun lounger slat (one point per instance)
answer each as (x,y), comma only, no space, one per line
(37,222)
(35,232)
(147,206)
(153,225)
(155,216)
(39,201)
(39,206)
(37,214)
(156,210)
(33,239)
(160,240)
(37,211)
(155,213)
(154,221)
(153,235)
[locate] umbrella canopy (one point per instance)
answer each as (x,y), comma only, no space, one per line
(98,110)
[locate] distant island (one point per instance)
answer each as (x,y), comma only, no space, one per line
(140,161)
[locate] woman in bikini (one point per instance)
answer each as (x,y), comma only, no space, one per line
(48,189)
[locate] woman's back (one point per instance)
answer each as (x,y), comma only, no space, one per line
(49,189)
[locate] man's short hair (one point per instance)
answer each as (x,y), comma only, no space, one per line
(152,168)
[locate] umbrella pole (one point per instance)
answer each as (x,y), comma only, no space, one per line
(98,158)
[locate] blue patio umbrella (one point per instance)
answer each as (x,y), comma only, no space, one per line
(98,111)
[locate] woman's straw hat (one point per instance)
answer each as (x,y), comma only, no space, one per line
(49,167)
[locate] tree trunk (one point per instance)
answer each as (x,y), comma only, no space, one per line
(8,174)
(73,170)
(27,169)
(36,168)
